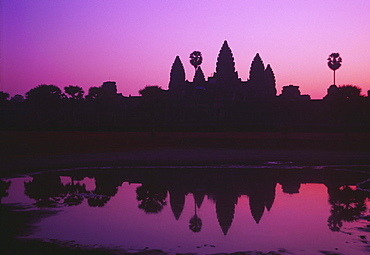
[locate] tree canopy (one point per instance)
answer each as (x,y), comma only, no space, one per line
(196,59)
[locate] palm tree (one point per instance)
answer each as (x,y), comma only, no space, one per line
(195,223)
(196,59)
(334,62)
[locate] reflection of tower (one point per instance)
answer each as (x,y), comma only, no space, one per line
(262,196)
(195,223)
(257,207)
(199,197)
(177,201)
(225,208)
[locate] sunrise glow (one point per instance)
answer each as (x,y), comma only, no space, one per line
(134,43)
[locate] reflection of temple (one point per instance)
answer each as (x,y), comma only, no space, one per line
(225,196)
(261,197)
(177,201)
(223,188)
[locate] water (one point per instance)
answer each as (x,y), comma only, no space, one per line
(272,207)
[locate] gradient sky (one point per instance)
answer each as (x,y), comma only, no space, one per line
(134,42)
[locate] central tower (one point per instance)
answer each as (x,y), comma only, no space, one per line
(225,75)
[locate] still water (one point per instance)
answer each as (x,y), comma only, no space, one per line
(286,209)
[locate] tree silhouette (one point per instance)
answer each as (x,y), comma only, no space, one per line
(45,103)
(47,189)
(17,99)
(152,198)
(349,92)
(152,105)
(151,92)
(44,94)
(334,62)
(347,205)
(196,59)
(74,92)
(106,187)
(3,98)
(93,94)
(73,193)
(4,186)
(195,223)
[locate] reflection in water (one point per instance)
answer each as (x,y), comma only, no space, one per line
(177,201)
(195,223)
(152,197)
(4,186)
(46,189)
(347,205)
(223,188)
(106,186)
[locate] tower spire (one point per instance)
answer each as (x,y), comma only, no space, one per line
(225,67)
(177,75)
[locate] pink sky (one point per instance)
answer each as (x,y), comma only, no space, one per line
(87,42)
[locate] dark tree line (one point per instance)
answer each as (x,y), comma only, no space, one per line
(47,107)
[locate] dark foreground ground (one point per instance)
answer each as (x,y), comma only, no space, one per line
(24,152)
(35,151)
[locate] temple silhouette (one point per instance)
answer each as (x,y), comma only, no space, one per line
(221,102)
(225,83)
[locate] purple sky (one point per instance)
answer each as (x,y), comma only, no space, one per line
(134,42)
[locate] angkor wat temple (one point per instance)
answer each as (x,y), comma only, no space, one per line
(222,102)
(225,100)
(225,83)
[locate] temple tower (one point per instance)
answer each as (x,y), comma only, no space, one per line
(261,80)
(269,85)
(225,68)
(199,79)
(256,75)
(177,76)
